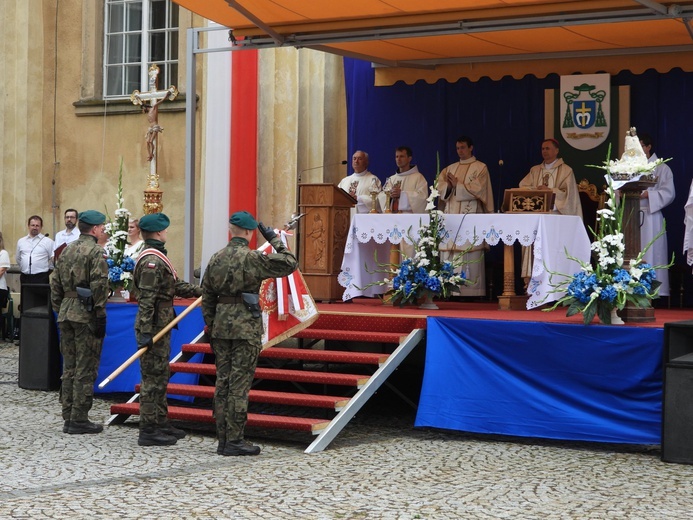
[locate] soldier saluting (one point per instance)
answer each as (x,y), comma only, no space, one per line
(79,290)
(156,283)
(231,310)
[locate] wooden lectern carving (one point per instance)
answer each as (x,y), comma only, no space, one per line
(522,200)
(323,235)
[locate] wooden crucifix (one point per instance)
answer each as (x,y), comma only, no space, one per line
(150,101)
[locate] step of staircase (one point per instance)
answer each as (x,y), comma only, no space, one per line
(280,374)
(263,396)
(280,422)
(350,335)
(336,323)
(325,356)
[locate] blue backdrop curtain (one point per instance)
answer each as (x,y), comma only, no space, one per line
(506,121)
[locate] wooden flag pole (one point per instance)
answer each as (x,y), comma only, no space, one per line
(156,338)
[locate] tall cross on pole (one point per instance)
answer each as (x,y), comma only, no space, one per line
(150,101)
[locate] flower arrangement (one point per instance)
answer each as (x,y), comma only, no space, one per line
(120,267)
(425,274)
(609,284)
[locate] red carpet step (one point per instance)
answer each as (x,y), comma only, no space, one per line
(180,413)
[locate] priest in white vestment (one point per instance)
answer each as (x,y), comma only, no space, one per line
(408,190)
(465,187)
(553,174)
(688,233)
(652,201)
(361,183)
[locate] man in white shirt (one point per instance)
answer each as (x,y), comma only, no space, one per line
(69,234)
(361,183)
(34,253)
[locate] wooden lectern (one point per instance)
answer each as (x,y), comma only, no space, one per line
(323,234)
(519,200)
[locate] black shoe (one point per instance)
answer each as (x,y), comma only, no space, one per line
(174,432)
(76,427)
(220,448)
(155,437)
(66,426)
(242,447)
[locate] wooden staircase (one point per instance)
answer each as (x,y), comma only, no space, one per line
(310,371)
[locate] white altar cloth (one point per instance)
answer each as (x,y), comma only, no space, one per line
(551,235)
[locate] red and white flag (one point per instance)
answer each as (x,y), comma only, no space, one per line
(287,306)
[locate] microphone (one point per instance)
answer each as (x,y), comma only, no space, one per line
(500,180)
(32,250)
(318,167)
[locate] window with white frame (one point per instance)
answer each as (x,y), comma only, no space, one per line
(139,33)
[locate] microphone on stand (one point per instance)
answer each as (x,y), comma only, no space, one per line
(500,181)
(318,167)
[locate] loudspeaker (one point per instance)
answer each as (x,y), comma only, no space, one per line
(677,393)
(678,339)
(39,354)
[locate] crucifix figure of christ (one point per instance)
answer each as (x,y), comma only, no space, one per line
(150,101)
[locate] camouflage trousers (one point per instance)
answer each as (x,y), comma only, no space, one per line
(236,361)
(155,370)
(81,353)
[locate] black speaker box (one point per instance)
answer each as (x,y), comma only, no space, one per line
(677,394)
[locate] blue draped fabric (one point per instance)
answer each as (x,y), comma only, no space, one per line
(506,121)
(120,344)
(571,382)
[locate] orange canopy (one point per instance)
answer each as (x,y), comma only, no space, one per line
(451,39)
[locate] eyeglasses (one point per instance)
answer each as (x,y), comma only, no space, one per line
(70,218)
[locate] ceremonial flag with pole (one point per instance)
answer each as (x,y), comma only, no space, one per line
(287,306)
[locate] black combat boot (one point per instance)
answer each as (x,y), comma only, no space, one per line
(242,447)
(66,426)
(173,431)
(220,447)
(154,437)
(77,427)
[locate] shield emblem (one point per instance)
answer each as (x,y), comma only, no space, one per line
(586,107)
(584,113)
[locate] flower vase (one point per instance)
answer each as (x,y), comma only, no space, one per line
(115,294)
(615,318)
(428,302)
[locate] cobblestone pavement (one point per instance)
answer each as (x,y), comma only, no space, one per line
(379,467)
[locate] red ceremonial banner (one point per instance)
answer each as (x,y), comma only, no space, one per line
(287,305)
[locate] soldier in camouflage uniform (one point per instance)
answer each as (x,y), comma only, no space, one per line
(156,284)
(82,320)
(236,330)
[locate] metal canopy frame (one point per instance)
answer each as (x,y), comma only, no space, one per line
(193,48)
(650,11)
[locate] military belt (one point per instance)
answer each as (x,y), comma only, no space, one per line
(164,304)
(70,294)
(230,299)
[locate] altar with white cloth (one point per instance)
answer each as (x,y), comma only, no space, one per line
(551,235)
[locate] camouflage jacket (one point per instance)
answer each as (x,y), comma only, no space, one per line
(233,270)
(82,264)
(156,285)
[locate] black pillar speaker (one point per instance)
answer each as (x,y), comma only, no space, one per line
(39,351)
(677,395)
